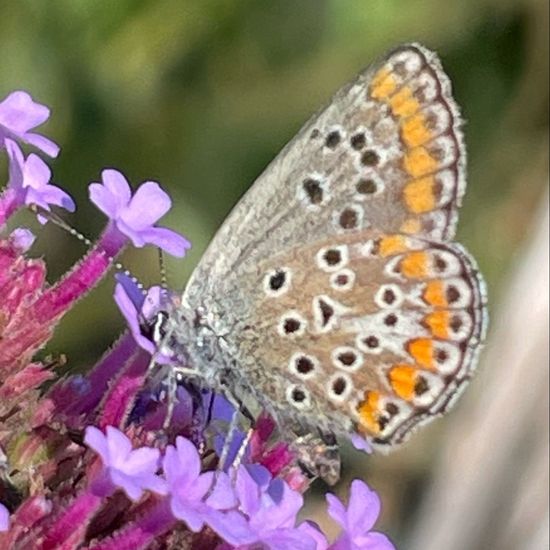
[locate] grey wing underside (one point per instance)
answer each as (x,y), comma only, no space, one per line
(278,214)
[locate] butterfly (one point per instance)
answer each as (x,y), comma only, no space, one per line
(333,296)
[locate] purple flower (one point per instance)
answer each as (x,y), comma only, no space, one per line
(19,114)
(132,470)
(357,520)
(22,239)
(361,443)
(187,486)
(29,181)
(271,506)
(4,518)
(138,307)
(136,215)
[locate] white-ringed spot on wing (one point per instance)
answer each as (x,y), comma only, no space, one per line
(369,343)
(303,365)
(326,312)
(368,186)
(312,191)
(277,281)
(446,357)
(349,218)
(298,397)
(347,358)
(460,326)
(388,296)
(342,280)
(339,386)
(332,258)
(292,324)
(334,137)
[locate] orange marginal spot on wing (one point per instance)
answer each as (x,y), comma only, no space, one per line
(368,411)
(418,162)
(383,84)
(403,380)
(415,265)
(411,226)
(415,132)
(421,350)
(434,294)
(392,244)
(419,195)
(438,322)
(403,104)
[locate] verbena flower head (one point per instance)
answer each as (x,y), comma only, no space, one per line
(129,453)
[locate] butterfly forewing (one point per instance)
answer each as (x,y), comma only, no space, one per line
(386,153)
(339,299)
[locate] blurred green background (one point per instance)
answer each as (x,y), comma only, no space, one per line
(201,94)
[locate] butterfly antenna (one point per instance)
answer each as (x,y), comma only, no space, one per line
(61,223)
(162,269)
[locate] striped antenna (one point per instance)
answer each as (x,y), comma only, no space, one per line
(61,223)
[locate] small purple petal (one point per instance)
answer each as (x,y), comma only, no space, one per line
(29,179)
(118,446)
(223,495)
(128,309)
(363,508)
(19,114)
(22,239)
(313,531)
(4,518)
(360,443)
(147,206)
(95,439)
(163,238)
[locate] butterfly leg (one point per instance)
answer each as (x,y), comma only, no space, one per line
(174,376)
(319,456)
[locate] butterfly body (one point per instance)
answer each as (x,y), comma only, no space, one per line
(332,295)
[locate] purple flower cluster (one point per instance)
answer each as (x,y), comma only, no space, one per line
(120,468)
